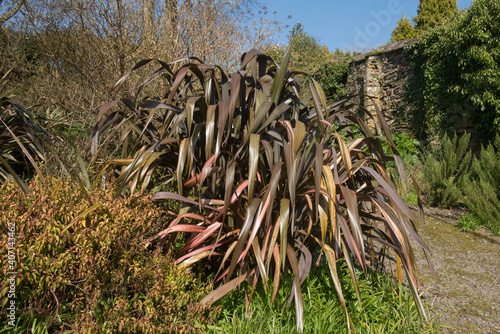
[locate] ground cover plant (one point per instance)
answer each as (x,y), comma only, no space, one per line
(267,181)
(386,307)
(82,264)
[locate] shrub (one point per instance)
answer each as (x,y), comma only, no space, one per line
(266,178)
(457,74)
(332,75)
(482,188)
(82,264)
(407,146)
(444,170)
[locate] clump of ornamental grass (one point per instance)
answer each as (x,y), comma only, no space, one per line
(267,181)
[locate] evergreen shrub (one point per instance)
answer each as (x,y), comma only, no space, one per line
(82,264)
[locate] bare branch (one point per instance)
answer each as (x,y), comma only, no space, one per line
(14,8)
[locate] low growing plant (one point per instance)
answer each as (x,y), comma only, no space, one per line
(469,222)
(386,306)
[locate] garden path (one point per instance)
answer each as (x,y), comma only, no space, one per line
(466,294)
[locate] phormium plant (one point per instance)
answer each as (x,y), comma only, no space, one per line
(268,183)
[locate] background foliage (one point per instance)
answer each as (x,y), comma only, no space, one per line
(430,14)
(457,75)
(482,189)
(404,30)
(434,13)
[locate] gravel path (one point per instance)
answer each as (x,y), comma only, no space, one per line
(465,297)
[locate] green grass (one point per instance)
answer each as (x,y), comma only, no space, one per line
(472,222)
(494,228)
(469,222)
(386,307)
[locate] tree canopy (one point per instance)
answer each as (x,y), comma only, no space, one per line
(430,14)
(433,13)
(404,30)
(457,74)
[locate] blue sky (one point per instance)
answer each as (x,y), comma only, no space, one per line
(351,25)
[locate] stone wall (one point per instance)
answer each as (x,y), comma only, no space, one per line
(381,75)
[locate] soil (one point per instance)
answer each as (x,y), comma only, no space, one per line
(465,296)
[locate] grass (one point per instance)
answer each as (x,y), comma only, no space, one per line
(472,222)
(469,222)
(387,307)
(494,228)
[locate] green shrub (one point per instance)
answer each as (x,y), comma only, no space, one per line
(332,75)
(457,74)
(82,264)
(266,179)
(444,170)
(408,147)
(482,188)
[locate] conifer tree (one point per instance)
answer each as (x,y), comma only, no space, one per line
(404,30)
(433,13)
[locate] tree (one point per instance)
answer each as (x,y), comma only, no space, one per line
(307,52)
(404,30)
(457,75)
(332,75)
(8,9)
(433,13)
(83,47)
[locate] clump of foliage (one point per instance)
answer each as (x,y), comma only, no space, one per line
(33,143)
(22,139)
(404,30)
(445,170)
(408,147)
(82,263)
(332,75)
(434,13)
(386,306)
(457,74)
(266,179)
(482,189)
(430,14)
(469,222)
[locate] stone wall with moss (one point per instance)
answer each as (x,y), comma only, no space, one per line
(381,77)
